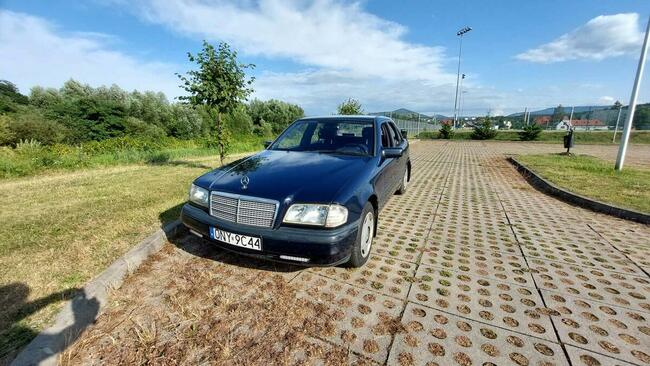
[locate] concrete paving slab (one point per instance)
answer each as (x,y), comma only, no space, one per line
(493,302)
(618,289)
(486,263)
(582,357)
(434,337)
(388,276)
(606,329)
(364,321)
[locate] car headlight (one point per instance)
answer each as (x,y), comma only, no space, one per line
(199,195)
(317,215)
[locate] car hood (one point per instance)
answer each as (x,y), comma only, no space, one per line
(282,175)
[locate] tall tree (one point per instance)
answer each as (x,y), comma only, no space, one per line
(558,116)
(349,107)
(220,85)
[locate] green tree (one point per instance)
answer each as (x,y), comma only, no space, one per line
(272,116)
(446,132)
(10,90)
(6,134)
(220,85)
(530,132)
(484,130)
(641,119)
(558,115)
(350,107)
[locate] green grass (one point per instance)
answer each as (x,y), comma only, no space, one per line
(582,137)
(33,159)
(594,178)
(61,229)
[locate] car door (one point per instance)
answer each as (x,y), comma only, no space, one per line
(387,167)
(402,161)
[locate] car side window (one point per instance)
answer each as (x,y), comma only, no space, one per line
(391,135)
(398,136)
(385,136)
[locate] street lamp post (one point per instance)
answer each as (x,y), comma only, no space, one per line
(625,136)
(460,34)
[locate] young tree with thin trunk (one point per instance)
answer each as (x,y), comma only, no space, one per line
(350,107)
(219,85)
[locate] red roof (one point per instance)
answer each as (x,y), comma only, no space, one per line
(542,120)
(587,122)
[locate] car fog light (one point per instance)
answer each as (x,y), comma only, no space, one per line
(291,258)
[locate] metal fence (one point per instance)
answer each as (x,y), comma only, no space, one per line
(413,128)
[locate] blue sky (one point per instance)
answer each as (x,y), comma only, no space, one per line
(387,54)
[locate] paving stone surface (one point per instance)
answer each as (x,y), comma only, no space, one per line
(472,266)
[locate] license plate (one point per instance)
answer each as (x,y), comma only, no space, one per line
(244,241)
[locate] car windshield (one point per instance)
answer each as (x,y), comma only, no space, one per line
(327,136)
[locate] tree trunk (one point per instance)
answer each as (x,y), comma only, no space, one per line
(220,137)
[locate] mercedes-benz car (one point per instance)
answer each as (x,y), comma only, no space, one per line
(312,197)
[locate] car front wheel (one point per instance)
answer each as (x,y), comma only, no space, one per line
(365,235)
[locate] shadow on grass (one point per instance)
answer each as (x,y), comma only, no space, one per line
(14,334)
(164,161)
(205,249)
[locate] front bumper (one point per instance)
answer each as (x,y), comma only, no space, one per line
(323,247)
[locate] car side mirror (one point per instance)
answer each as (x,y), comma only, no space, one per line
(392,152)
(404,133)
(267,144)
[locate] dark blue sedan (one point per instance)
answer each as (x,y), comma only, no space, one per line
(312,197)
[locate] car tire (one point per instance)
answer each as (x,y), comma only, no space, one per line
(405,182)
(365,236)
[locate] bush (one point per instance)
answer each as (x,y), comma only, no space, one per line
(484,131)
(274,112)
(159,158)
(530,132)
(263,130)
(6,135)
(34,126)
(446,132)
(239,122)
(138,128)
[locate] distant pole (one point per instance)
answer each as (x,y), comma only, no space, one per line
(571,116)
(460,34)
(525,114)
(622,149)
(617,119)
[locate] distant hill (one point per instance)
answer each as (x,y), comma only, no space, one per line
(567,109)
(404,113)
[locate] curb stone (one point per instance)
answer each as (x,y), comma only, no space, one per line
(82,310)
(547,187)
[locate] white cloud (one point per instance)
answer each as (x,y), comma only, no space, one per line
(606,99)
(35,52)
(319,91)
(602,37)
(328,34)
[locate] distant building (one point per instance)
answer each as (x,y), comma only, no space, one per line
(542,120)
(582,125)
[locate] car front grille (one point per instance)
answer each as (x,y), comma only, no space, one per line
(243,209)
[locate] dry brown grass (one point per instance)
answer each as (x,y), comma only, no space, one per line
(59,230)
(207,310)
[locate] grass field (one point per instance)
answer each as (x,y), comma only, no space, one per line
(32,159)
(582,137)
(61,229)
(594,178)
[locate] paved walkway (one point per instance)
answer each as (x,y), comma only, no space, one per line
(471,267)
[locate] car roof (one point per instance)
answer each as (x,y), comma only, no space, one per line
(340,117)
